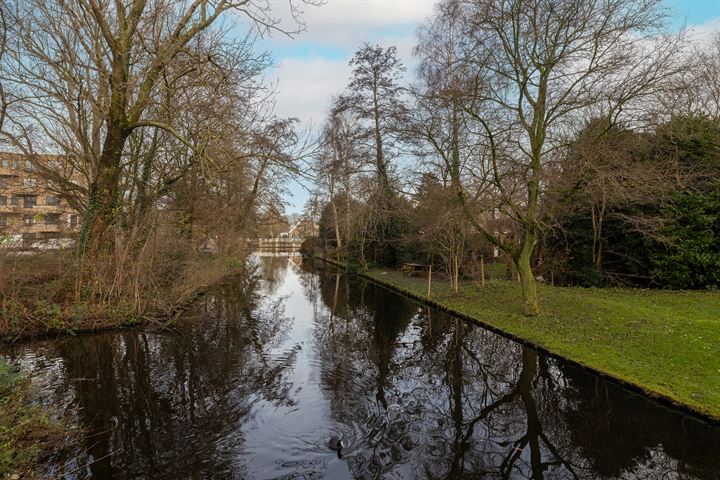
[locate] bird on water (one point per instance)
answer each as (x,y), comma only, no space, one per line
(336,444)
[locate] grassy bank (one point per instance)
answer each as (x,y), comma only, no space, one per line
(667,343)
(27,433)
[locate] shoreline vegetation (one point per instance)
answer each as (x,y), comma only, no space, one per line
(28,431)
(37,299)
(661,343)
(36,302)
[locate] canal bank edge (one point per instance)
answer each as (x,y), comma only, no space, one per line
(664,400)
(158,320)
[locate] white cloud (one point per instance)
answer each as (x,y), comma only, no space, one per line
(306,85)
(348,23)
(369,12)
(704,33)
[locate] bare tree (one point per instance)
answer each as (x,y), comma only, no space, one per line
(437,116)
(3,46)
(696,89)
(617,170)
(443,229)
(375,97)
(709,78)
(537,67)
(113,59)
(336,165)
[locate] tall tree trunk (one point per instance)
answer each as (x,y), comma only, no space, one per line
(347,207)
(363,260)
(537,132)
(103,192)
(456,274)
(379,155)
(597,222)
(338,239)
(143,199)
(531,303)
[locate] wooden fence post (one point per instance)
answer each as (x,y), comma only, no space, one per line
(482,271)
(429,280)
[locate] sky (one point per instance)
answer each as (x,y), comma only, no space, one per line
(313,66)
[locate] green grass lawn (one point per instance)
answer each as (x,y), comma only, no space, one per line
(666,342)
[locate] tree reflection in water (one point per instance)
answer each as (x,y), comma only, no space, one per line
(171,404)
(462,402)
(262,369)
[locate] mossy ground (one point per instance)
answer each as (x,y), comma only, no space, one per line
(665,342)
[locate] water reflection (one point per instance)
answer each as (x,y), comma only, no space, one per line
(465,403)
(264,370)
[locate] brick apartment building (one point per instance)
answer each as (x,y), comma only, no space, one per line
(31,214)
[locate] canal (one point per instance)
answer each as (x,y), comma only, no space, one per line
(257,378)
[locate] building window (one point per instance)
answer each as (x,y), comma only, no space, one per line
(29,165)
(3,200)
(52,219)
(73,221)
(29,201)
(14,200)
(28,219)
(16,164)
(52,201)
(6,162)
(3,220)
(4,182)
(30,182)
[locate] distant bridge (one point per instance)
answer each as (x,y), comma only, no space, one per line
(276,244)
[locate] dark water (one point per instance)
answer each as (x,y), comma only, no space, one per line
(264,371)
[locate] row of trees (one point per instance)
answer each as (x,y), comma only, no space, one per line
(525,117)
(165,131)
(648,212)
(140,97)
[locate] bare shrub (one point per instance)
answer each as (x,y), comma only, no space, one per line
(151,273)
